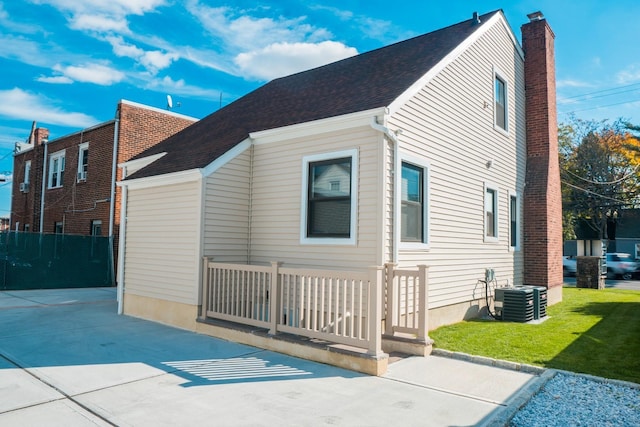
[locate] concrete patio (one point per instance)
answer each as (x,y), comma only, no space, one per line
(67,358)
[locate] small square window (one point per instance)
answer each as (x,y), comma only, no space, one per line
(96,227)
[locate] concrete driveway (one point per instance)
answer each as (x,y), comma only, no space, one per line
(67,359)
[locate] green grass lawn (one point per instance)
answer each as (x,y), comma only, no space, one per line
(591,331)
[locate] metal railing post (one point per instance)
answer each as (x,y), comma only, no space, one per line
(375,311)
(423,292)
(274,298)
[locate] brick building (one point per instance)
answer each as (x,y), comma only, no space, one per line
(78,194)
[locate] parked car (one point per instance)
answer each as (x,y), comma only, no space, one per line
(569,265)
(621,264)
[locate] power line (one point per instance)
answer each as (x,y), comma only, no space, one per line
(604,90)
(603,106)
(594,193)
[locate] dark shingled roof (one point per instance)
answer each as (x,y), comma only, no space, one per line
(370,80)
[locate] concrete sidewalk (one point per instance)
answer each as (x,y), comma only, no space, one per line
(67,358)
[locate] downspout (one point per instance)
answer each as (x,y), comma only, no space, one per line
(393,137)
(112,195)
(44,183)
(114,170)
(121,246)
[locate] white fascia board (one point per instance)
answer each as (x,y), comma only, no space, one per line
(330,124)
(162,180)
(226,157)
(452,56)
(138,164)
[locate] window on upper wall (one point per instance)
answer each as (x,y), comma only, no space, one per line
(56,169)
(329,204)
(413,203)
(514,221)
(501,119)
(27,172)
(58,228)
(83,161)
(490,214)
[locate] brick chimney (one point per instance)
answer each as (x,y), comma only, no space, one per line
(40,135)
(542,202)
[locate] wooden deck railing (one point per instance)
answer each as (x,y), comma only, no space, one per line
(337,306)
(407,302)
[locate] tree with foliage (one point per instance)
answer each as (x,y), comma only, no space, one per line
(600,174)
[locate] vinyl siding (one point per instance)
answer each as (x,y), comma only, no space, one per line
(277,192)
(162,242)
(226,211)
(450,125)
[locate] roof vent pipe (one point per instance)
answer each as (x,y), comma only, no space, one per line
(476,18)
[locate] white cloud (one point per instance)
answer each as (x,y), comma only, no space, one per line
(99,23)
(103,7)
(23,50)
(628,76)
(247,33)
(153,60)
(91,73)
(281,59)
(179,87)
(19,104)
(55,79)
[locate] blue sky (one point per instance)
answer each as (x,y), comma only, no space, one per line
(67,63)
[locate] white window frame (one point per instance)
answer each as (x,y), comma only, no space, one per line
(497,75)
(496,213)
(426,167)
(352,239)
(518,220)
(82,174)
(56,156)
(94,223)
(27,172)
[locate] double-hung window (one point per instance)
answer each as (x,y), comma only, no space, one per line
(413,203)
(501,119)
(490,214)
(56,169)
(83,161)
(514,221)
(329,198)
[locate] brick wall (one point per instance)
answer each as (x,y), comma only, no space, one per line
(25,206)
(542,197)
(80,202)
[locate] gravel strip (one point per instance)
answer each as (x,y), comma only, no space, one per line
(578,400)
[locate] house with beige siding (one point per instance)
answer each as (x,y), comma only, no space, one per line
(356,196)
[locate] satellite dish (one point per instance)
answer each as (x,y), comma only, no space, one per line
(169,102)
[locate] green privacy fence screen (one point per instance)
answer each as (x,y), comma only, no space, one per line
(54,261)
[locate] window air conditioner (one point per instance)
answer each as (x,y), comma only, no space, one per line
(24,187)
(82,176)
